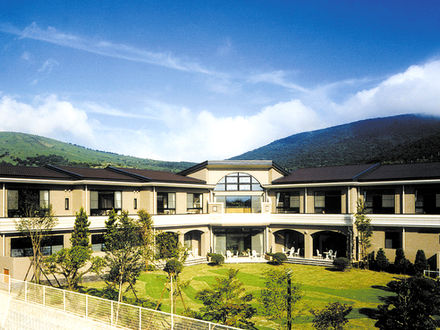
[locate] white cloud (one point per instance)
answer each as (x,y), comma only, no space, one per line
(416,90)
(47,116)
(198,136)
(106,48)
(276,78)
(48,66)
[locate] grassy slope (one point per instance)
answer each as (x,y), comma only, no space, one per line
(320,286)
(20,145)
(359,142)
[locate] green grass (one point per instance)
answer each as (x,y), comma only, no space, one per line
(319,286)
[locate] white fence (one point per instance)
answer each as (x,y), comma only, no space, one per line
(112,313)
(431,273)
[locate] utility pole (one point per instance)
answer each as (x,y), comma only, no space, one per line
(289,300)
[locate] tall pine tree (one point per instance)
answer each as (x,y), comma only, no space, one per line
(81,233)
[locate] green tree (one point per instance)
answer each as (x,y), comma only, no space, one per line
(382,262)
(415,305)
(81,232)
(167,245)
(363,227)
(123,252)
(71,262)
(273,298)
(420,263)
(401,264)
(37,227)
(148,237)
(332,316)
(227,303)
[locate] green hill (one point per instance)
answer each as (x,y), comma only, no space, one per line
(27,149)
(403,138)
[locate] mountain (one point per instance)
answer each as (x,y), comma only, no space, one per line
(27,149)
(403,138)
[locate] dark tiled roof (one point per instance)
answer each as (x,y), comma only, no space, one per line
(160,176)
(32,172)
(95,173)
(325,174)
(416,171)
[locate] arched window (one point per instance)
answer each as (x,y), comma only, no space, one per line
(238,182)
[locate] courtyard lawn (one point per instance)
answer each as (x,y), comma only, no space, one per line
(319,286)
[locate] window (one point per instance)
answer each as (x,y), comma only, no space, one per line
(26,202)
(135,203)
(22,246)
(98,242)
(101,202)
(194,203)
(66,203)
(379,201)
(166,203)
(427,200)
(288,202)
(393,240)
(238,182)
(328,202)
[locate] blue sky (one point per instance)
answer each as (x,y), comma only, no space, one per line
(196,80)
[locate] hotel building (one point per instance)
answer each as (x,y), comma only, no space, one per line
(233,207)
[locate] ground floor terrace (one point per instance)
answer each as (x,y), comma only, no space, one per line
(248,237)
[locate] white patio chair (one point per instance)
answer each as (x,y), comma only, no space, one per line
(329,254)
(297,252)
(254,254)
(190,254)
(228,254)
(319,255)
(334,255)
(292,252)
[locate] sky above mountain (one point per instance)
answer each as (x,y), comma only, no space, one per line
(196,80)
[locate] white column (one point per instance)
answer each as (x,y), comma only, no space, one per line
(305,200)
(403,238)
(348,207)
(154,201)
(403,200)
(86,201)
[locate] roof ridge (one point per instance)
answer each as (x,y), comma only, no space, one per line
(371,168)
(125,172)
(62,170)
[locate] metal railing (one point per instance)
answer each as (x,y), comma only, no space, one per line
(120,315)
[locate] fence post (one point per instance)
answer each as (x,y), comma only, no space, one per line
(25,290)
(140,318)
(64,300)
(87,305)
(44,295)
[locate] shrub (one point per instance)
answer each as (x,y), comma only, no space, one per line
(216,259)
(173,266)
(401,264)
(382,262)
(333,316)
(277,258)
(341,263)
(420,264)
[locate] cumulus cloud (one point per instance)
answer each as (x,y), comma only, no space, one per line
(198,136)
(416,90)
(47,116)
